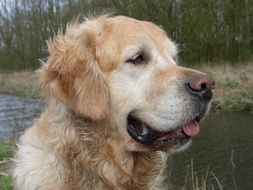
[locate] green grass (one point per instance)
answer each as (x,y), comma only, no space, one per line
(7,151)
(5,183)
(231,84)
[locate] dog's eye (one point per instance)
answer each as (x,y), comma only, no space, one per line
(136,59)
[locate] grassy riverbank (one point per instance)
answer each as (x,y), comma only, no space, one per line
(23,83)
(234,85)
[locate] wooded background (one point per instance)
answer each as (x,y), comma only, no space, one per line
(214,31)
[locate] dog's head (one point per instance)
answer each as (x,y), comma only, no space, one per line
(124,70)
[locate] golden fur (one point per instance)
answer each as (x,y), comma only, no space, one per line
(80,140)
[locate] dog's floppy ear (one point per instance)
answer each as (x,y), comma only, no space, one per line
(72,75)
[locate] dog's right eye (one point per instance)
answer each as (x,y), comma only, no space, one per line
(136,59)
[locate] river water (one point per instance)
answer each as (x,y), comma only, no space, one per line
(224,139)
(221,136)
(16,114)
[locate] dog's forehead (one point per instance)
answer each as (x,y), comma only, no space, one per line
(126,26)
(126,31)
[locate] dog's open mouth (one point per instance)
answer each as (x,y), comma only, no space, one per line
(157,140)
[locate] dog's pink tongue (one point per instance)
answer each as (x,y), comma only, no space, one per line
(191,129)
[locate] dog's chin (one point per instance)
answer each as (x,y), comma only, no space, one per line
(144,138)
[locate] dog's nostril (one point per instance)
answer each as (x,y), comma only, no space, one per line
(203,86)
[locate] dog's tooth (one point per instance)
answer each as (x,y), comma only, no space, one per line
(145,130)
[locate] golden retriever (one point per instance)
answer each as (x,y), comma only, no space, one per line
(117,104)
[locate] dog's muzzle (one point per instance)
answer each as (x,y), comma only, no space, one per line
(161,140)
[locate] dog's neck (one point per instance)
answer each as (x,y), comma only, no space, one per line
(117,164)
(109,159)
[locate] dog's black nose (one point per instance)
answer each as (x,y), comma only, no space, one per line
(201,85)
